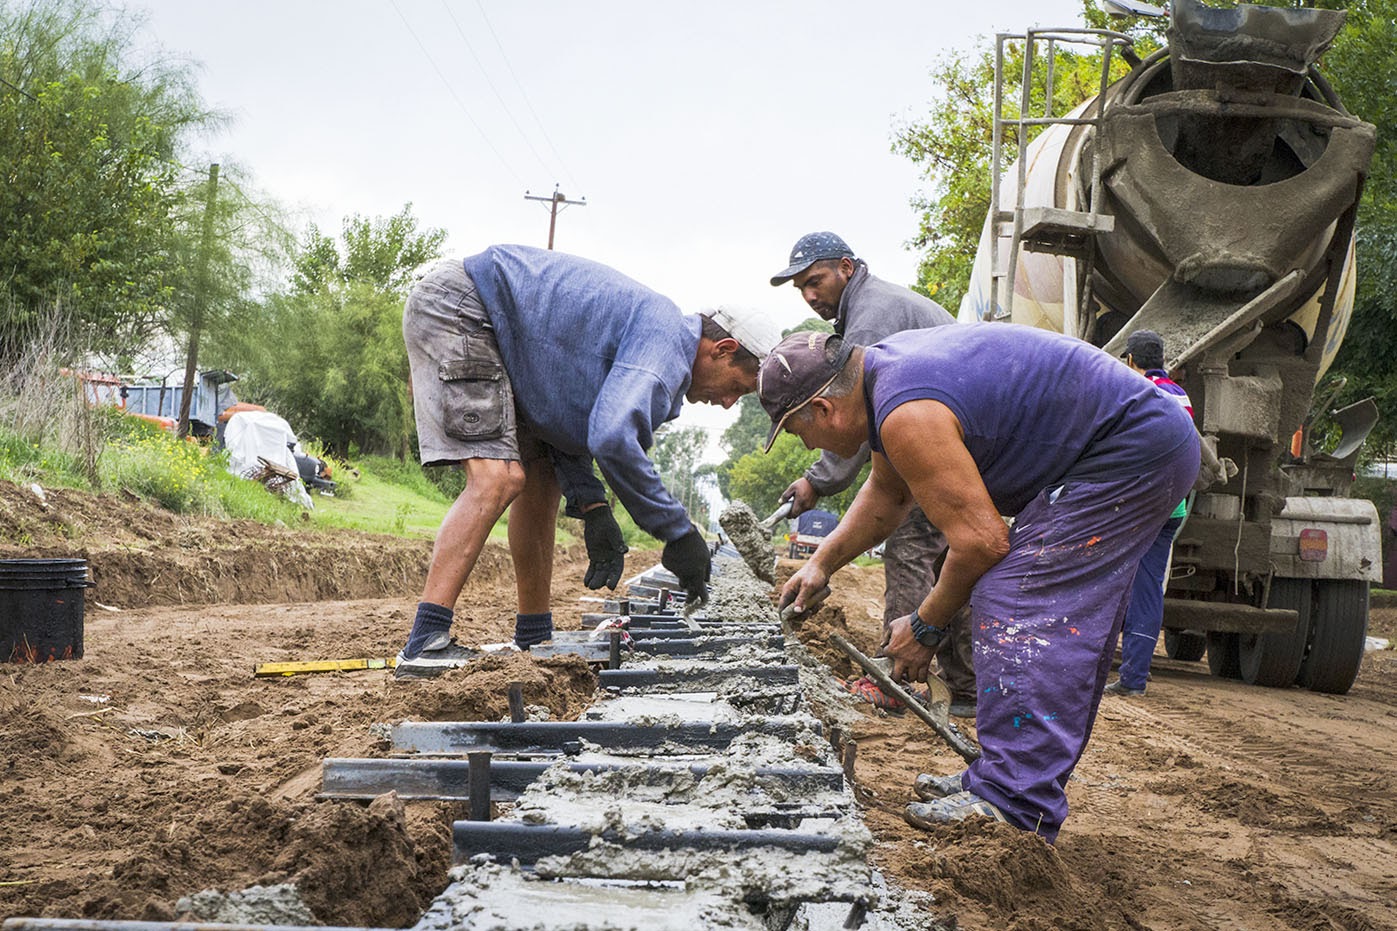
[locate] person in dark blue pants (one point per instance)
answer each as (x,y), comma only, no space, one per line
(1143,618)
(1144,352)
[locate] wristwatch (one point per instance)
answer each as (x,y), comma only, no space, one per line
(928,636)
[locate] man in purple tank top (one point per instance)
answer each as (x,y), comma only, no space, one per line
(971,423)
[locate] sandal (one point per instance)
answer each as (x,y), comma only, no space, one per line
(869,691)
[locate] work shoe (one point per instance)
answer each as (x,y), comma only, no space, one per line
(930,787)
(440,653)
(957,807)
(1119,688)
(869,691)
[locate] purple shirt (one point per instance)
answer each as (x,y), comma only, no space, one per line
(1038,409)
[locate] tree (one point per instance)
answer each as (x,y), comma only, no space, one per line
(677,455)
(379,251)
(91,191)
(759,479)
(328,354)
(953,144)
(1360,66)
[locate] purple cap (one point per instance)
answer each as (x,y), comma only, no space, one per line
(812,248)
(800,367)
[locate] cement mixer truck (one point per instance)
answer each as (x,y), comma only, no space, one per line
(1210,195)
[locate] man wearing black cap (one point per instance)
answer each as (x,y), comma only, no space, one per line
(865,309)
(972,422)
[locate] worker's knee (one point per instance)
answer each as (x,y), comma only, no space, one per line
(498,481)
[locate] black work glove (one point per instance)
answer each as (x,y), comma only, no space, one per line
(688,559)
(606,550)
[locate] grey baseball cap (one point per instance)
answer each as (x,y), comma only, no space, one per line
(812,248)
(800,367)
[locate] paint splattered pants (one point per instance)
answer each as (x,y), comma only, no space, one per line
(1045,623)
(1145,613)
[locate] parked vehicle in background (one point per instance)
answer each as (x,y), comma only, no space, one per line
(812,527)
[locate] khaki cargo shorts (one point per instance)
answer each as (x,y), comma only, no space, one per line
(461,394)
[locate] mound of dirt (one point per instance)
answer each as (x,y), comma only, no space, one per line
(141,555)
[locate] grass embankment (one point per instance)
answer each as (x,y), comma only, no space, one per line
(374,494)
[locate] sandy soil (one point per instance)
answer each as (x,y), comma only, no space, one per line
(157,766)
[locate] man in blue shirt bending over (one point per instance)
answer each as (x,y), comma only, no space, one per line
(529,365)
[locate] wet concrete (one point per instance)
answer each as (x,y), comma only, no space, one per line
(485,896)
(744,530)
(626,878)
(257,905)
(738,596)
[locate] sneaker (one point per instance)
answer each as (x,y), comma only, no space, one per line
(930,787)
(962,709)
(869,691)
(440,653)
(957,807)
(1119,688)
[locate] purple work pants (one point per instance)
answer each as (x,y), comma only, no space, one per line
(1145,613)
(1045,620)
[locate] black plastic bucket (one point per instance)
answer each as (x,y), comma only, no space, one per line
(41,605)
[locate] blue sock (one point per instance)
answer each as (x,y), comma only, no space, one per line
(532,628)
(431,619)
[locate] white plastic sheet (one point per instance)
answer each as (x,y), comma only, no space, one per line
(254,434)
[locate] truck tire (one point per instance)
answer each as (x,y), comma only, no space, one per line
(1339,625)
(1273,660)
(1184,645)
(1222,655)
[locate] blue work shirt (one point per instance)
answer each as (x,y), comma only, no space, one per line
(598,361)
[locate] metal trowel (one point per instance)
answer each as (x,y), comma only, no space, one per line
(938,697)
(777,515)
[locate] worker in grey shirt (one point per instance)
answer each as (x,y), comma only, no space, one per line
(864,310)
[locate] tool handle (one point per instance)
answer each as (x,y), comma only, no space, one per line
(967,751)
(789,611)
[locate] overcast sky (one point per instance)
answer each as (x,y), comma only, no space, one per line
(705,137)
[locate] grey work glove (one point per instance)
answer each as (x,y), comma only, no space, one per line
(606,550)
(689,560)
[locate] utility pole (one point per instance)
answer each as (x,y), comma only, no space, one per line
(196,323)
(554,200)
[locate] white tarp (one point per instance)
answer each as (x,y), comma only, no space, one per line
(253,434)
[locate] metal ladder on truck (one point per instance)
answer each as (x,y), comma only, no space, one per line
(1061,231)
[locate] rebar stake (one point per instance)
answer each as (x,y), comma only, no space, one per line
(516,702)
(479,785)
(614,659)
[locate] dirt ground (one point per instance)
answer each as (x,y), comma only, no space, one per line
(157,766)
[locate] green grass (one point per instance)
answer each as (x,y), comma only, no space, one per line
(387,496)
(23,462)
(379,503)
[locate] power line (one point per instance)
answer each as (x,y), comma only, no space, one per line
(485,74)
(525,94)
(556,199)
(452,92)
